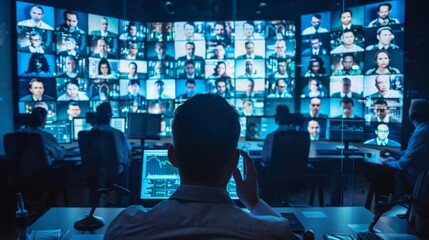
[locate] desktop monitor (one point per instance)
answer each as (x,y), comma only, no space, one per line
(346,130)
(80,124)
(159,179)
(257,127)
(60,130)
(144,126)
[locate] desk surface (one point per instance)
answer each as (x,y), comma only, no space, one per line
(349,220)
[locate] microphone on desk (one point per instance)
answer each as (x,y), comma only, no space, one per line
(381,208)
(91,222)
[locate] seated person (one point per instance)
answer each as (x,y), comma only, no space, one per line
(52,148)
(413,160)
(282,111)
(314,107)
(206,158)
(123,147)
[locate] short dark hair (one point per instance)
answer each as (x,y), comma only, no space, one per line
(346,11)
(133,82)
(281,113)
(71,13)
(73,103)
(384,4)
(347,100)
(349,55)
(189,62)
(190,81)
(206,129)
(38,116)
(104,113)
(221,79)
(189,23)
(420,110)
(381,101)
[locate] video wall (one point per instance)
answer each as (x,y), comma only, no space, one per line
(353,67)
(70,62)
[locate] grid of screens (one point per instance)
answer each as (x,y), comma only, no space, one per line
(160,179)
(356,53)
(71,61)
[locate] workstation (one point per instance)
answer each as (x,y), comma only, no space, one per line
(351,124)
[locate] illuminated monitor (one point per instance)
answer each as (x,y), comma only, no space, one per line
(159,179)
(60,130)
(257,128)
(80,124)
(344,57)
(144,126)
(345,130)
(104,58)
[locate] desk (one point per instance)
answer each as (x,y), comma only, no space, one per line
(336,161)
(348,220)
(64,218)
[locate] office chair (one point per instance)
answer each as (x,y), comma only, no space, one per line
(99,160)
(289,170)
(29,172)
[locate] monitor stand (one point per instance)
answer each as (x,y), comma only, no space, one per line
(347,147)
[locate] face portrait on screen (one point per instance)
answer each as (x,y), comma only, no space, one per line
(189,30)
(315,104)
(73,110)
(313,129)
(347,106)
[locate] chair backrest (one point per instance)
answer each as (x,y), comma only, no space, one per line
(99,157)
(26,156)
(289,156)
(420,204)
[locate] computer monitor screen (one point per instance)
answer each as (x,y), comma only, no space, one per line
(257,128)
(346,129)
(60,130)
(80,124)
(144,126)
(160,179)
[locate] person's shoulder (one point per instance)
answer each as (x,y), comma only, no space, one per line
(25,49)
(393,143)
(356,95)
(307,51)
(28,97)
(96,32)
(337,94)
(182,58)
(47,98)
(168,58)
(198,57)
(241,56)
(370,141)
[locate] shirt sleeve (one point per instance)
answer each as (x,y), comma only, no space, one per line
(266,149)
(53,148)
(415,150)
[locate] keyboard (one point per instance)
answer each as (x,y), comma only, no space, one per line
(255,152)
(368,236)
(338,152)
(72,152)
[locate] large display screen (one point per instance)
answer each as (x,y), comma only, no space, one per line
(352,67)
(69,62)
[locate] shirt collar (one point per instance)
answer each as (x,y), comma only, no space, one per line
(202,194)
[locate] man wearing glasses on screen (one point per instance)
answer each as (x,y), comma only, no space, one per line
(381,111)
